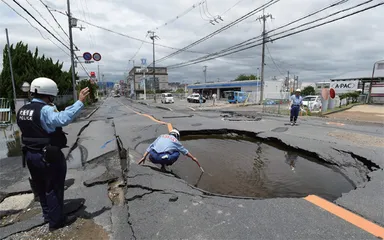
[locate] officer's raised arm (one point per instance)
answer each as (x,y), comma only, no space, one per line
(54,119)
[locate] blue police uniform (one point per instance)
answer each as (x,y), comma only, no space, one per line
(43,138)
(295,108)
(166,150)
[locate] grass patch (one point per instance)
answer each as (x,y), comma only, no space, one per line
(337,109)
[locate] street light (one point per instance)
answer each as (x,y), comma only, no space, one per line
(25,87)
(370,85)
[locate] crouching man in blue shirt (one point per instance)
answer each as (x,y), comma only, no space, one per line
(166,149)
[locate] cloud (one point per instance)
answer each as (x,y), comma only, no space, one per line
(352,44)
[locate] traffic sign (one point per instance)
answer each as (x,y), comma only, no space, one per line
(143,61)
(89,61)
(332,93)
(87,56)
(93,74)
(96,56)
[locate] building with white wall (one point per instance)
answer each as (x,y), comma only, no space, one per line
(272,89)
(136,77)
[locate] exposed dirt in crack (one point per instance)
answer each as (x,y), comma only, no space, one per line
(81,229)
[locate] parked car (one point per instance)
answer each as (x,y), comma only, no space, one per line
(167,98)
(312,102)
(236,96)
(195,98)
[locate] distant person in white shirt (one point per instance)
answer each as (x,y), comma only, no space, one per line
(214,99)
(295,103)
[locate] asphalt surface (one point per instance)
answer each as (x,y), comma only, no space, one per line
(139,202)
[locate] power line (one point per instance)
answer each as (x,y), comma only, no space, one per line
(25,10)
(179,15)
(224,53)
(46,30)
(248,42)
(45,38)
(229,9)
(127,36)
(45,20)
(274,63)
(251,13)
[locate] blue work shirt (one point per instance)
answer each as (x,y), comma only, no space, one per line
(167,143)
(50,118)
(296,100)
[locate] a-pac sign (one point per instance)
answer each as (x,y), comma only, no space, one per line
(344,86)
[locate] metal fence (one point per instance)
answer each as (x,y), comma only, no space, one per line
(5,112)
(276,106)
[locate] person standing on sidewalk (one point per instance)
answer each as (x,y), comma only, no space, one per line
(296,101)
(214,96)
(42,139)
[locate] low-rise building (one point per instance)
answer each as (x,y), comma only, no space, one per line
(136,81)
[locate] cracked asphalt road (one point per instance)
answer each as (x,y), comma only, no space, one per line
(142,203)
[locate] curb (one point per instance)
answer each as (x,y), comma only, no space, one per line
(340,110)
(164,108)
(91,113)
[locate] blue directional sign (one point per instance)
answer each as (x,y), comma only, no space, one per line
(143,61)
(87,56)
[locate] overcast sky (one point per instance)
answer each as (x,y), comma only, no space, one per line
(351,44)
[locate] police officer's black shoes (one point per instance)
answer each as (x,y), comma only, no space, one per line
(67,221)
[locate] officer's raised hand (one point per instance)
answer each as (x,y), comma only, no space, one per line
(83,94)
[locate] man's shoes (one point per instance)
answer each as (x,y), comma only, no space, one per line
(292,123)
(67,221)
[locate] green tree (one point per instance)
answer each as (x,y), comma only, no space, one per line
(92,90)
(180,90)
(28,65)
(243,77)
(309,90)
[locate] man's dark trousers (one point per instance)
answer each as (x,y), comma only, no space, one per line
(49,179)
(295,109)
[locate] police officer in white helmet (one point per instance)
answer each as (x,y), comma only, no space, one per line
(166,149)
(296,101)
(42,139)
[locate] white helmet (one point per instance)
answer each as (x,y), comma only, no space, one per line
(175,133)
(44,86)
(298,90)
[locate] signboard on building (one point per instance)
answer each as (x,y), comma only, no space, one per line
(344,86)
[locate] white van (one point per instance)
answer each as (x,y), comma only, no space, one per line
(167,98)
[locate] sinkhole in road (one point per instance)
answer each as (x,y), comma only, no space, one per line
(238,165)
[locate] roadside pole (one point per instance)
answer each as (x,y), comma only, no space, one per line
(11,69)
(264,19)
(72,52)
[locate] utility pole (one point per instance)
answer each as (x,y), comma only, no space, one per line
(264,19)
(11,69)
(72,52)
(205,73)
(153,37)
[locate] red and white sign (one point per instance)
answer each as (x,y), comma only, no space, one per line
(93,74)
(332,93)
(96,56)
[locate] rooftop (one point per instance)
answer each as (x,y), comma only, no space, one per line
(360,75)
